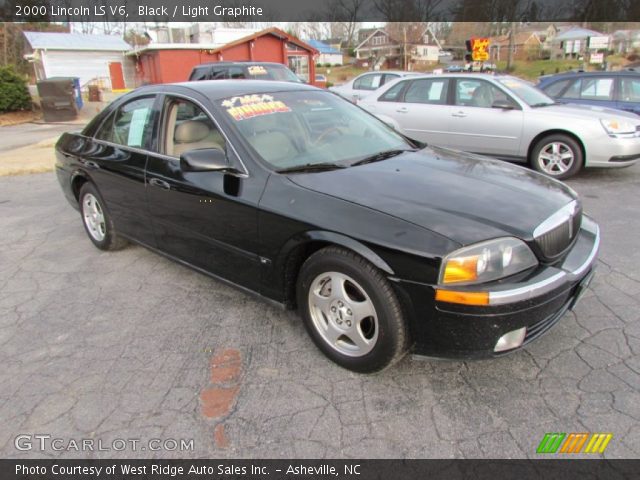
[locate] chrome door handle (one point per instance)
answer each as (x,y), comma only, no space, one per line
(402,110)
(458,114)
(91,164)
(156,182)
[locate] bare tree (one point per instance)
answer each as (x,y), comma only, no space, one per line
(344,15)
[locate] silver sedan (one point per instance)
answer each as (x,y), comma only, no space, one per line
(506,117)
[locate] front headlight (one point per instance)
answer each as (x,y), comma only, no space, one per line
(617,126)
(486,261)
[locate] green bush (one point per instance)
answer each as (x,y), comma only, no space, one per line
(14,94)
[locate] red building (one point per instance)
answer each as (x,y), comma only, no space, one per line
(168,63)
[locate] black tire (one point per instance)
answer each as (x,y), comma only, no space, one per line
(110,239)
(568,145)
(388,325)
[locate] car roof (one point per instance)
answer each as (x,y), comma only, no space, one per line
(239,62)
(591,74)
(218,89)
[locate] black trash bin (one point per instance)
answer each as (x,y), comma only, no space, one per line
(59,98)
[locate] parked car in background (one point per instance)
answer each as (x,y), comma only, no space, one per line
(454,68)
(381,244)
(321,81)
(362,85)
(243,70)
(508,118)
(619,90)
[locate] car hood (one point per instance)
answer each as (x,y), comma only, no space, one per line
(581,110)
(465,197)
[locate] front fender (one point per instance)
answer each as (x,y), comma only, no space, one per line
(334,239)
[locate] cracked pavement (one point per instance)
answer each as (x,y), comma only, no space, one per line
(131,345)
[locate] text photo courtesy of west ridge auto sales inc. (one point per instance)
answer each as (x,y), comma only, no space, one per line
(357,239)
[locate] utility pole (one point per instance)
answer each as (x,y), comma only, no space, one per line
(510,50)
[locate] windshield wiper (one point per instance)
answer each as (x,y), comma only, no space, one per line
(381,156)
(311,167)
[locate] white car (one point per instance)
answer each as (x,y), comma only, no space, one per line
(362,85)
(506,117)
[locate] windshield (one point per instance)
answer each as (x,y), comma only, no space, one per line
(304,128)
(526,92)
(272,72)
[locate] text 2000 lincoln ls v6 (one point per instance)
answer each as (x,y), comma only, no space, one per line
(383,245)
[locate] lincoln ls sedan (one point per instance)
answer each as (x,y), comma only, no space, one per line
(383,244)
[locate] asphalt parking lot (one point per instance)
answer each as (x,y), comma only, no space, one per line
(129,345)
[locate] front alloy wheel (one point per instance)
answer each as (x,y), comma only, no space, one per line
(558,156)
(343,314)
(351,311)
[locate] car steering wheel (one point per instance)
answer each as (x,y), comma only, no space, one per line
(325,133)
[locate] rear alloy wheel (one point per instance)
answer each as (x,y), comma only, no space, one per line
(97,221)
(558,156)
(351,311)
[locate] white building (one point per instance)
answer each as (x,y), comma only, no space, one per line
(93,58)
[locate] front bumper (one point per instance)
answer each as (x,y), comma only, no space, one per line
(612,152)
(533,302)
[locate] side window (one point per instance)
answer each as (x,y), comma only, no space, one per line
(187,127)
(199,74)
(388,77)
(630,90)
(393,94)
(427,91)
(236,72)
(219,73)
(554,89)
(368,82)
(597,88)
(478,93)
(131,125)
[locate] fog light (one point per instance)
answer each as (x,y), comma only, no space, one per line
(510,340)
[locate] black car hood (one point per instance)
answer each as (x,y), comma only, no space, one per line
(465,197)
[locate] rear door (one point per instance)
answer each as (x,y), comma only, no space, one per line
(208,219)
(478,127)
(629,94)
(420,109)
(116,162)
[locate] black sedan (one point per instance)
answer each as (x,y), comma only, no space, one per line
(384,245)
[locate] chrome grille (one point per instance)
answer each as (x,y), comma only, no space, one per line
(557,233)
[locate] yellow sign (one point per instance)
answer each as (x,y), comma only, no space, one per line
(480,49)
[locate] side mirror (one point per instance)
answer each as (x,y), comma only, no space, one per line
(204,160)
(503,104)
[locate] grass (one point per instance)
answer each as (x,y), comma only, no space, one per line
(532,69)
(338,75)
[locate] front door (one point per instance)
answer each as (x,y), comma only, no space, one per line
(117,77)
(208,219)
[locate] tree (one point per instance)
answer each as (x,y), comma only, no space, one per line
(344,16)
(14,94)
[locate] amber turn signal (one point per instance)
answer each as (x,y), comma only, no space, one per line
(465,298)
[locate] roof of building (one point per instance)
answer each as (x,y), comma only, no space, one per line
(322,47)
(75,41)
(276,32)
(520,38)
(577,34)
